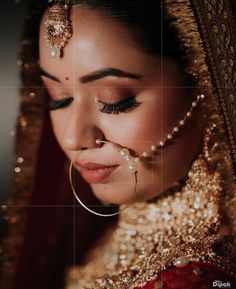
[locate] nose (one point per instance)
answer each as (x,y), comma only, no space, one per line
(81,130)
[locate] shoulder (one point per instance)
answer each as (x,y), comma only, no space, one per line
(196,275)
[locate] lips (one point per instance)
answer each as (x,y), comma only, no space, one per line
(95,173)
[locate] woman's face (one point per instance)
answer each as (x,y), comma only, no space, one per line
(151,100)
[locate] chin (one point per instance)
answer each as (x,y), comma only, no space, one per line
(114,194)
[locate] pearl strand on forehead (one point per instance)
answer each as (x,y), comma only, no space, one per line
(125,153)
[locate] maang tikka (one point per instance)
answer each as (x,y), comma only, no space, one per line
(58,27)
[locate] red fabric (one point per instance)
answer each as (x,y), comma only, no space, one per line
(192,276)
(51,230)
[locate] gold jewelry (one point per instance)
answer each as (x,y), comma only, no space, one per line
(59,28)
(173,229)
(132,167)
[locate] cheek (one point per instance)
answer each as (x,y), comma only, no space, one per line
(138,129)
(150,122)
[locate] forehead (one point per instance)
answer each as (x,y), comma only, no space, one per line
(96,41)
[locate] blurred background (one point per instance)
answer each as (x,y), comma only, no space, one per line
(12,17)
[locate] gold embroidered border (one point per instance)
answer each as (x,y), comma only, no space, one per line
(218,32)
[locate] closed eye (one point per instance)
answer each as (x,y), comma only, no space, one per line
(122,106)
(60,103)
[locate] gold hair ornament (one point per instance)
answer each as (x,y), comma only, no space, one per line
(58,28)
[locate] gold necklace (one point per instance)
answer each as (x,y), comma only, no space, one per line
(153,235)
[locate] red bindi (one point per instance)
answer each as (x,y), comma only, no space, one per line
(67,78)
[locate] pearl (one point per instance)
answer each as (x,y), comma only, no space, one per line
(20,160)
(189,113)
(145,154)
(176,129)
(182,122)
(124,153)
(161,143)
(181,261)
(127,158)
(98,141)
(194,104)
(17,169)
(202,96)
(132,167)
(137,159)
(153,148)
(54,53)
(169,136)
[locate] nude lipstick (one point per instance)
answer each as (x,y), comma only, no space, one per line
(95,173)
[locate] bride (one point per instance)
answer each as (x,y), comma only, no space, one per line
(128,107)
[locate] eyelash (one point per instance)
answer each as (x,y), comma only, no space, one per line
(61,103)
(122,106)
(114,108)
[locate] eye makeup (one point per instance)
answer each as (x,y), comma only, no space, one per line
(110,100)
(122,106)
(60,103)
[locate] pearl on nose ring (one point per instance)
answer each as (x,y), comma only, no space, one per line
(98,141)
(124,153)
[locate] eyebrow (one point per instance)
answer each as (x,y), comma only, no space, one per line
(48,75)
(96,75)
(102,73)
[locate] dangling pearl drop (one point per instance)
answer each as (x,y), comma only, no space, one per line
(54,53)
(124,153)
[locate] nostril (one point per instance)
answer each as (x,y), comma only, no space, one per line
(99,142)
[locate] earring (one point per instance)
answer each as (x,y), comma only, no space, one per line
(58,28)
(125,154)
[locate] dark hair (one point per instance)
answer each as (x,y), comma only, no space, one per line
(146,19)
